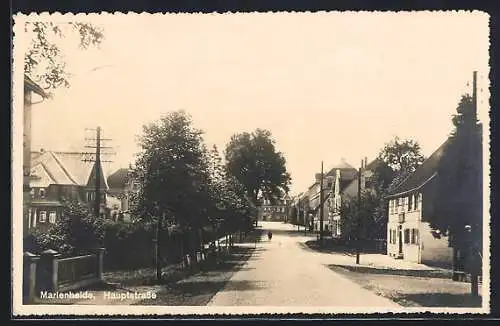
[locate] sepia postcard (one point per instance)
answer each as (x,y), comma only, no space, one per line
(250,163)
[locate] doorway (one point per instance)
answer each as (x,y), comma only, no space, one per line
(400,241)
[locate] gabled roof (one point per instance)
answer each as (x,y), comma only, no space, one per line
(118,179)
(66,168)
(40,176)
(374,164)
(423,174)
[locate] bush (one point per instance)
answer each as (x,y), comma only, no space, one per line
(73,234)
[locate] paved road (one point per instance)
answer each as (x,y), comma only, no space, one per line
(282,273)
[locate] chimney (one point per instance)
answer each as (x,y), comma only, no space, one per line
(318,177)
(366,161)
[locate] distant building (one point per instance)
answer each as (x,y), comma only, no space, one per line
(123,184)
(56,176)
(273,211)
(409,235)
(346,189)
(335,180)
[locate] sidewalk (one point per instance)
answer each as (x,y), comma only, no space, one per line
(380,263)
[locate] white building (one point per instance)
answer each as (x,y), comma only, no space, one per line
(409,235)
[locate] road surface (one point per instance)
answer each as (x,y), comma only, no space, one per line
(281,272)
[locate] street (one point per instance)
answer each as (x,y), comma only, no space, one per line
(282,273)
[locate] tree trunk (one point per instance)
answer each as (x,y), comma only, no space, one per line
(158,249)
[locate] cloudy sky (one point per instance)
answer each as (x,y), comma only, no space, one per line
(328,86)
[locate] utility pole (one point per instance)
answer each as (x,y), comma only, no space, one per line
(474,92)
(321,207)
(473,261)
(358,217)
(97,167)
(305,221)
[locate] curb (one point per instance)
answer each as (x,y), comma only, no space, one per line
(433,273)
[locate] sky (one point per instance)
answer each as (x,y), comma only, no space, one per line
(329,86)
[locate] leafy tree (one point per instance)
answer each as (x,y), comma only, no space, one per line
(230,204)
(174,176)
(44,59)
(403,157)
(253,160)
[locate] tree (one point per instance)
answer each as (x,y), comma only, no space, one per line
(459,186)
(403,157)
(231,206)
(44,59)
(253,160)
(174,176)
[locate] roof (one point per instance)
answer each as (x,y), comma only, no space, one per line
(63,168)
(118,179)
(45,202)
(374,164)
(423,174)
(343,165)
(32,86)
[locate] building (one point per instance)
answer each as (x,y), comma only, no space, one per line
(31,91)
(273,211)
(346,189)
(123,184)
(57,176)
(409,235)
(342,175)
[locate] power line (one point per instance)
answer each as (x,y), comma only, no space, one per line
(97,166)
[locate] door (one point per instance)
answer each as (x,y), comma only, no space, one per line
(400,240)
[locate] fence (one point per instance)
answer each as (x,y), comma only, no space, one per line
(49,272)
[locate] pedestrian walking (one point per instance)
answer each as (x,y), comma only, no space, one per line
(269,235)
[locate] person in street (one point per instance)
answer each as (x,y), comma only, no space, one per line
(269,235)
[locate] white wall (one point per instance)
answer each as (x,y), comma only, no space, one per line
(435,252)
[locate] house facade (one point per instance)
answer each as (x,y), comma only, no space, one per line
(277,211)
(56,176)
(123,185)
(409,235)
(343,175)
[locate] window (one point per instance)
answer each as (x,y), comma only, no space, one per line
(415,202)
(32,193)
(52,217)
(414,236)
(390,236)
(90,196)
(41,192)
(407,236)
(410,203)
(42,217)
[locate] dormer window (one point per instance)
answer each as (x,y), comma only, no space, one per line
(32,193)
(41,192)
